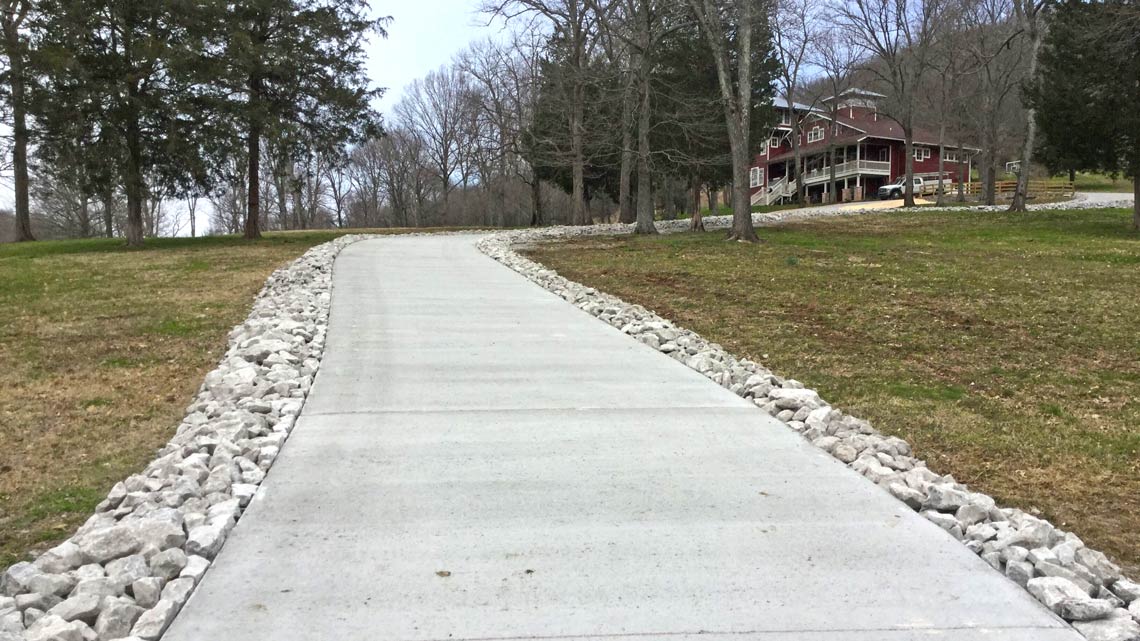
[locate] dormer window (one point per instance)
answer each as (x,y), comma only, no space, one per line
(815,135)
(785,117)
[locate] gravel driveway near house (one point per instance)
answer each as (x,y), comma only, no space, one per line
(479,459)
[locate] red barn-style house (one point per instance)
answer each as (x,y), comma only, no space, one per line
(870,152)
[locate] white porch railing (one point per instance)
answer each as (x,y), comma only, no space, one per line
(847,169)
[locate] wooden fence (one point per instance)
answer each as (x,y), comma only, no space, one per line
(1006,188)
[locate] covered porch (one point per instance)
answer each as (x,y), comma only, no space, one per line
(860,169)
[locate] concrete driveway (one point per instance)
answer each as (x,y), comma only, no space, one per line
(481,460)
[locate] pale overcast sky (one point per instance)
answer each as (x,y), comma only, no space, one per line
(423,35)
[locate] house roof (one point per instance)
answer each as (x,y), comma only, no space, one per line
(855,91)
(781,103)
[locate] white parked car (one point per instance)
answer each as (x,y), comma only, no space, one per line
(922,187)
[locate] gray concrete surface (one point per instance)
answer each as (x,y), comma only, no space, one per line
(480,460)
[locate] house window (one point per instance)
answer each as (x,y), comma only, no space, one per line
(950,156)
(774,143)
(815,135)
(921,153)
(756,177)
(884,155)
(785,117)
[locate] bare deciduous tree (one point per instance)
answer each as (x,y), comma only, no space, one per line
(576,24)
(837,58)
(1031,15)
(722,23)
(435,109)
(900,35)
(796,34)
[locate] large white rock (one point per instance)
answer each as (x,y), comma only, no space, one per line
(168,563)
(1085,609)
(84,607)
(15,579)
(128,569)
(1053,591)
(1110,629)
(58,584)
(944,498)
(1128,591)
(148,591)
(117,618)
(205,540)
(110,543)
(152,623)
(54,628)
(61,558)
(196,567)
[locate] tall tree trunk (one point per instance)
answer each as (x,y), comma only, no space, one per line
(298,209)
(831,171)
(109,211)
(19,129)
(253,142)
(625,199)
(536,202)
(1036,33)
(908,146)
(941,162)
(134,188)
(644,180)
(989,178)
(696,221)
(281,190)
(1136,201)
(797,159)
(961,173)
(738,138)
(714,200)
(578,160)
(84,218)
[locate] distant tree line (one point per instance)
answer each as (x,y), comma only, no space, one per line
(127,118)
(116,108)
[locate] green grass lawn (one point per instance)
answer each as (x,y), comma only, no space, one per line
(101,349)
(1004,347)
(1101,182)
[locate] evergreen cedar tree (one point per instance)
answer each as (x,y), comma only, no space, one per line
(688,132)
(164,96)
(1087,89)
